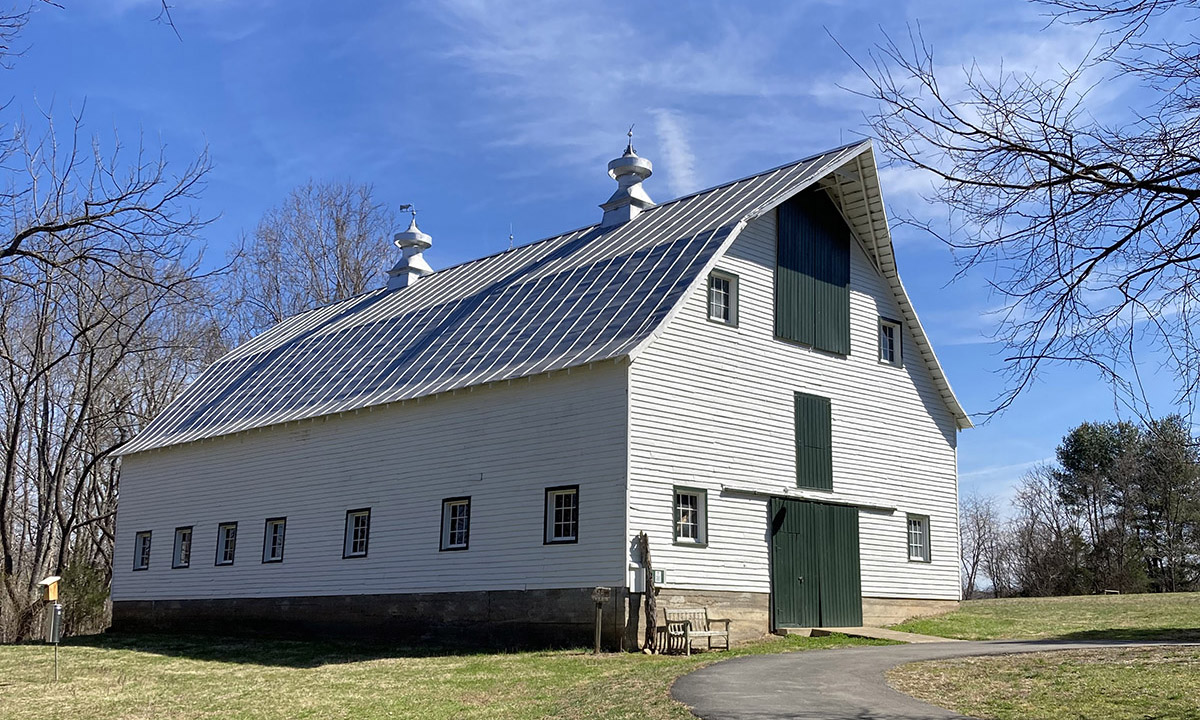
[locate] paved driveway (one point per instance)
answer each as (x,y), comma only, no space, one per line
(831,684)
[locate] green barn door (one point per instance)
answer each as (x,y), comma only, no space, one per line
(795,564)
(815,572)
(841,581)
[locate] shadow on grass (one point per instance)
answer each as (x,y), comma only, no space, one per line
(276,652)
(1165,634)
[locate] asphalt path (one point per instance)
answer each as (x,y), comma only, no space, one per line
(839,684)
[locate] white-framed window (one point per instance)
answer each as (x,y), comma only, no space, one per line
(182,556)
(358,529)
(889,342)
(691,516)
(723,297)
(456,523)
(273,540)
(141,550)
(226,543)
(562,515)
(918,538)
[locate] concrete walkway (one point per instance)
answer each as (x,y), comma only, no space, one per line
(841,684)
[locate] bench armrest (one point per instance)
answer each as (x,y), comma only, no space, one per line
(720,620)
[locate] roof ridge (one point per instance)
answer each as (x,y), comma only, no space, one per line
(584,228)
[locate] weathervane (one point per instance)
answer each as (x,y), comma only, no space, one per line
(630,149)
(407,207)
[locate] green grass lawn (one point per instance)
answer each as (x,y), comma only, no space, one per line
(160,677)
(1171,616)
(1162,683)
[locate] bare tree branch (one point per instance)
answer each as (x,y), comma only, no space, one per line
(1089,230)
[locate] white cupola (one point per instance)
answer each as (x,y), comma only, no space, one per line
(630,198)
(411,266)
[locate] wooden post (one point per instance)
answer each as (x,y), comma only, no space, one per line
(632,614)
(600,596)
(599,616)
(651,644)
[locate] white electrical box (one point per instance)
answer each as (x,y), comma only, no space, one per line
(637,579)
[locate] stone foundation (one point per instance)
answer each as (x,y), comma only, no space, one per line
(878,612)
(512,618)
(749,613)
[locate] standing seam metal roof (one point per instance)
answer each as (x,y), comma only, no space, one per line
(585,296)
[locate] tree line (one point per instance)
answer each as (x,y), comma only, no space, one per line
(1118,511)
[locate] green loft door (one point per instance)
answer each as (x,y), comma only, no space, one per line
(815,572)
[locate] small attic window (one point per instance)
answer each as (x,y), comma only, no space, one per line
(723,297)
(889,342)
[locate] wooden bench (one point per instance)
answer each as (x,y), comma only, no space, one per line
(688,624)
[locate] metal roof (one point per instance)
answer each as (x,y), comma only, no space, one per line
(589,295)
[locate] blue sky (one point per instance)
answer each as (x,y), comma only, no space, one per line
(486,114)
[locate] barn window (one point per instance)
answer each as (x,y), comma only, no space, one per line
(182,557)
(141,551)
(889,342)
(226,543)
(691,527)
(918,538)
(456,523)
(562,515)
(722,297)
(358,528)
(273,540)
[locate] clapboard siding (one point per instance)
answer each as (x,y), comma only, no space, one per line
(712,405)
(401,461)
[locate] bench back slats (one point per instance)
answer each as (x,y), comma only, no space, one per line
(696,617)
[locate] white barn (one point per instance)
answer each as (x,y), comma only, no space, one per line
(738,373)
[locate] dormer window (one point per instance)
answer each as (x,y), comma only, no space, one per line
(722,297)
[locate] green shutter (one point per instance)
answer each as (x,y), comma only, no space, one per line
(814,442)
(812,275)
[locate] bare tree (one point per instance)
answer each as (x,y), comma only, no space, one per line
(326,242)
(1048,547)
(87,356)
(1091,223)
(979,529)
(1000,558)
(104,314)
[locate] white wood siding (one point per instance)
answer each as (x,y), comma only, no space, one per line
(401,461)
(712,405)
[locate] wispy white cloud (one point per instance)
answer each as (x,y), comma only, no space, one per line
(677,153)
(1005,470)
(569,79)
(998,481)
